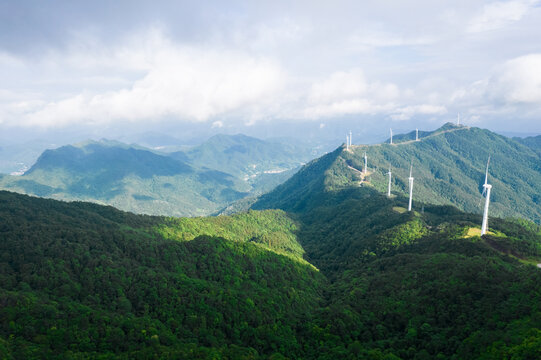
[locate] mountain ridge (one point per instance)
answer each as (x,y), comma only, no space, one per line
(448,167)
(135,178)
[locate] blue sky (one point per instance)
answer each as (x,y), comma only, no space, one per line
(107,68)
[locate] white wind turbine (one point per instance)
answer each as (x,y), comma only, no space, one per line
(486,190)
(391,136)
(411,187)
(389,187)
(365,164)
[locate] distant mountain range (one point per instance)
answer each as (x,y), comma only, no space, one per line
(196,182)
(448,168)
(533,142)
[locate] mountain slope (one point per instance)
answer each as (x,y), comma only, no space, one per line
(533,142)
(130,178)
(247,157)
(448,167)
(84,280)
(199,182)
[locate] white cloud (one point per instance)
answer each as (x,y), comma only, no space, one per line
(499,14)
(407,112)
(368,39)
(251,69)
(517,81)
(346,93)
(339,85)
(186,82)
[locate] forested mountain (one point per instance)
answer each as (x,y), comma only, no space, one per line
(448,167)
(340,272)
(81,279)
(134,178)
(129,178)
(533,142)
(354,277)
(247,156)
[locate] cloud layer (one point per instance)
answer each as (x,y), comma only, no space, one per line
(257,65)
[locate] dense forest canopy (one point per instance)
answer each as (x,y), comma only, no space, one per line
(352,277)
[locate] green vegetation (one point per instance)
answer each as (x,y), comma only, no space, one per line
(533,142)
(199,182)
(340,272)
(246,156)
(448,167)
(271,228)
(81,280)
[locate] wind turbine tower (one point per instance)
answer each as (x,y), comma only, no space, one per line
(458,119)
(391,136)
(347,142)
(486,189)
(350,138)
(416,134)
(389,187)
(411,187)
(365,164)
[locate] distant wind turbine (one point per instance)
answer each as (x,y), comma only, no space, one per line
(486,190)
(411,187)
(416,134)
(391,136)
(365,164)
(347,142)
(389,187)
(350,138)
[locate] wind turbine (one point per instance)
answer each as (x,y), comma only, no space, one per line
(416,134)
(486,190)
(347,142)
(350,138)
(411,187)
(389,187)
(458,119)
(391,136)
(365,164)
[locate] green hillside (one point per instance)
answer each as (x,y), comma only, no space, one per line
(137,179)
(247,157)
(129,178)
(533,142)
(81,280)
(354,277)
(448,167)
